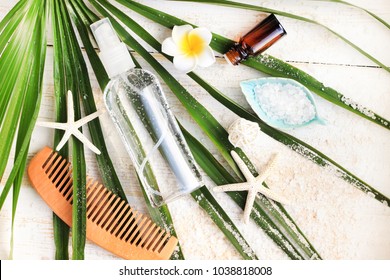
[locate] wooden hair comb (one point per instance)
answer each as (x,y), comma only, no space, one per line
(111,222)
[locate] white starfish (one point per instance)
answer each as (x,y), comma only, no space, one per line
(71,127)
(253,184)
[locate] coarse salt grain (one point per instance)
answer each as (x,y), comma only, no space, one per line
(286,103)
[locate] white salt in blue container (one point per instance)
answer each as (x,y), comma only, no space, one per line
(248,88)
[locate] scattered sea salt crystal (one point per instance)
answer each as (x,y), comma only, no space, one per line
(286,103)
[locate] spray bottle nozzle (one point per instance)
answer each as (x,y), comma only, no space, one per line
(104,34)
(113,53)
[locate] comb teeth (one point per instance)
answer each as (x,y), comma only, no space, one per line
(60,174)
(111,222)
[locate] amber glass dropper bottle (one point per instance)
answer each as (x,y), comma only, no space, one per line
(260,38)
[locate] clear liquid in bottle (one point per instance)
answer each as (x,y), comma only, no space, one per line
(148,129)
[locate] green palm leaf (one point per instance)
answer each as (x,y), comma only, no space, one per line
(69,62)
(60,229)
(293,16)
(27,111)
(221,44)
(71,70)
(266,64)
(204,119)
(83,18)
(293,143)
(19,51)
(202,196)
(7,27)
(20,100)
(294,243)
(107,171)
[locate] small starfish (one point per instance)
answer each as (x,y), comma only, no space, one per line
(71,127)
(253,184)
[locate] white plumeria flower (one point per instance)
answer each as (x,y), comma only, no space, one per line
(189,47)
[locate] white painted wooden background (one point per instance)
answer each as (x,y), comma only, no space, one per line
(340,221)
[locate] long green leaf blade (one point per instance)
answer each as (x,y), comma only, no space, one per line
(267,64)
(36,49)
(106,168)
(205,199)
(222,44)
(293,143)
(187,100)
(83,19)
(17,9)
(33,90)
(60,228)
(78,159)
(224,146)
(208,123)
(10,22)
(293,16)
(19,88)
(16,55)
(275,208)
(135,27)
(221,176)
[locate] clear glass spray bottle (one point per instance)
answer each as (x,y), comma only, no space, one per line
(140,112)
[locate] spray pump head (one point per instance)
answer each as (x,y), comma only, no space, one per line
(113,53)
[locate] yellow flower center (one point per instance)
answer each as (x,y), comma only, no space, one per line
(192,44)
